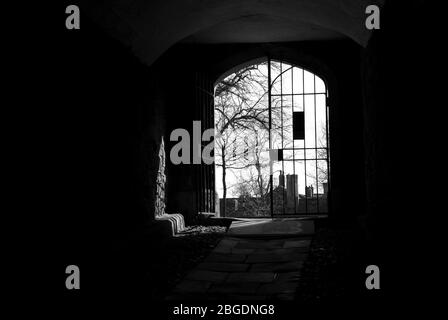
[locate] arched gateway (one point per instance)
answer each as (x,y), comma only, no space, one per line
(272,141)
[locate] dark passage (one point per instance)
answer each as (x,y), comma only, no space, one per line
(141,226)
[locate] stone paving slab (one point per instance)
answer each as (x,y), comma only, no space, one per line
(277,287)
(259,277)
(243,251)
(235,288)
(222,257)
(248,297)
(207,275)
(186,286)
(259,244)
(285,296)
(282,251)
(267,257)
(296,243)
(225,245)
(230,242)
(288,276)
(222,250)
(277,266)
(226,267)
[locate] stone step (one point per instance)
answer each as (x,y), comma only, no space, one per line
(175,221)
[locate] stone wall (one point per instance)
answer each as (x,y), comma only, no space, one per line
(401,127)
(394,78)
(112,138)
(160,203)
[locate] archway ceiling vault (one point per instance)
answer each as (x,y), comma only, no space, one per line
(151,27)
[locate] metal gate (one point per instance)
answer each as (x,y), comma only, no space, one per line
(295,159)
(298,141)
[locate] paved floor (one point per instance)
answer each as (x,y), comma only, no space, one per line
(250,267)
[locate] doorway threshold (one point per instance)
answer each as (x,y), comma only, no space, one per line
(271,228)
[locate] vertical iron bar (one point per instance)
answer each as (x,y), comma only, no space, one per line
(293,144)
(327,149)
(195,170)
(315,142)
(200,166)
(304,139)
(270,138)
(281,124)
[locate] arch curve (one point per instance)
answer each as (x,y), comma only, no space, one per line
(238,60)
(151,27)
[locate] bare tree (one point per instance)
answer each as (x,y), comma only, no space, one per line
(240,101)
(253,186)
(242,111)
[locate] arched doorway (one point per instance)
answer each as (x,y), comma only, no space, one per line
(272,141)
